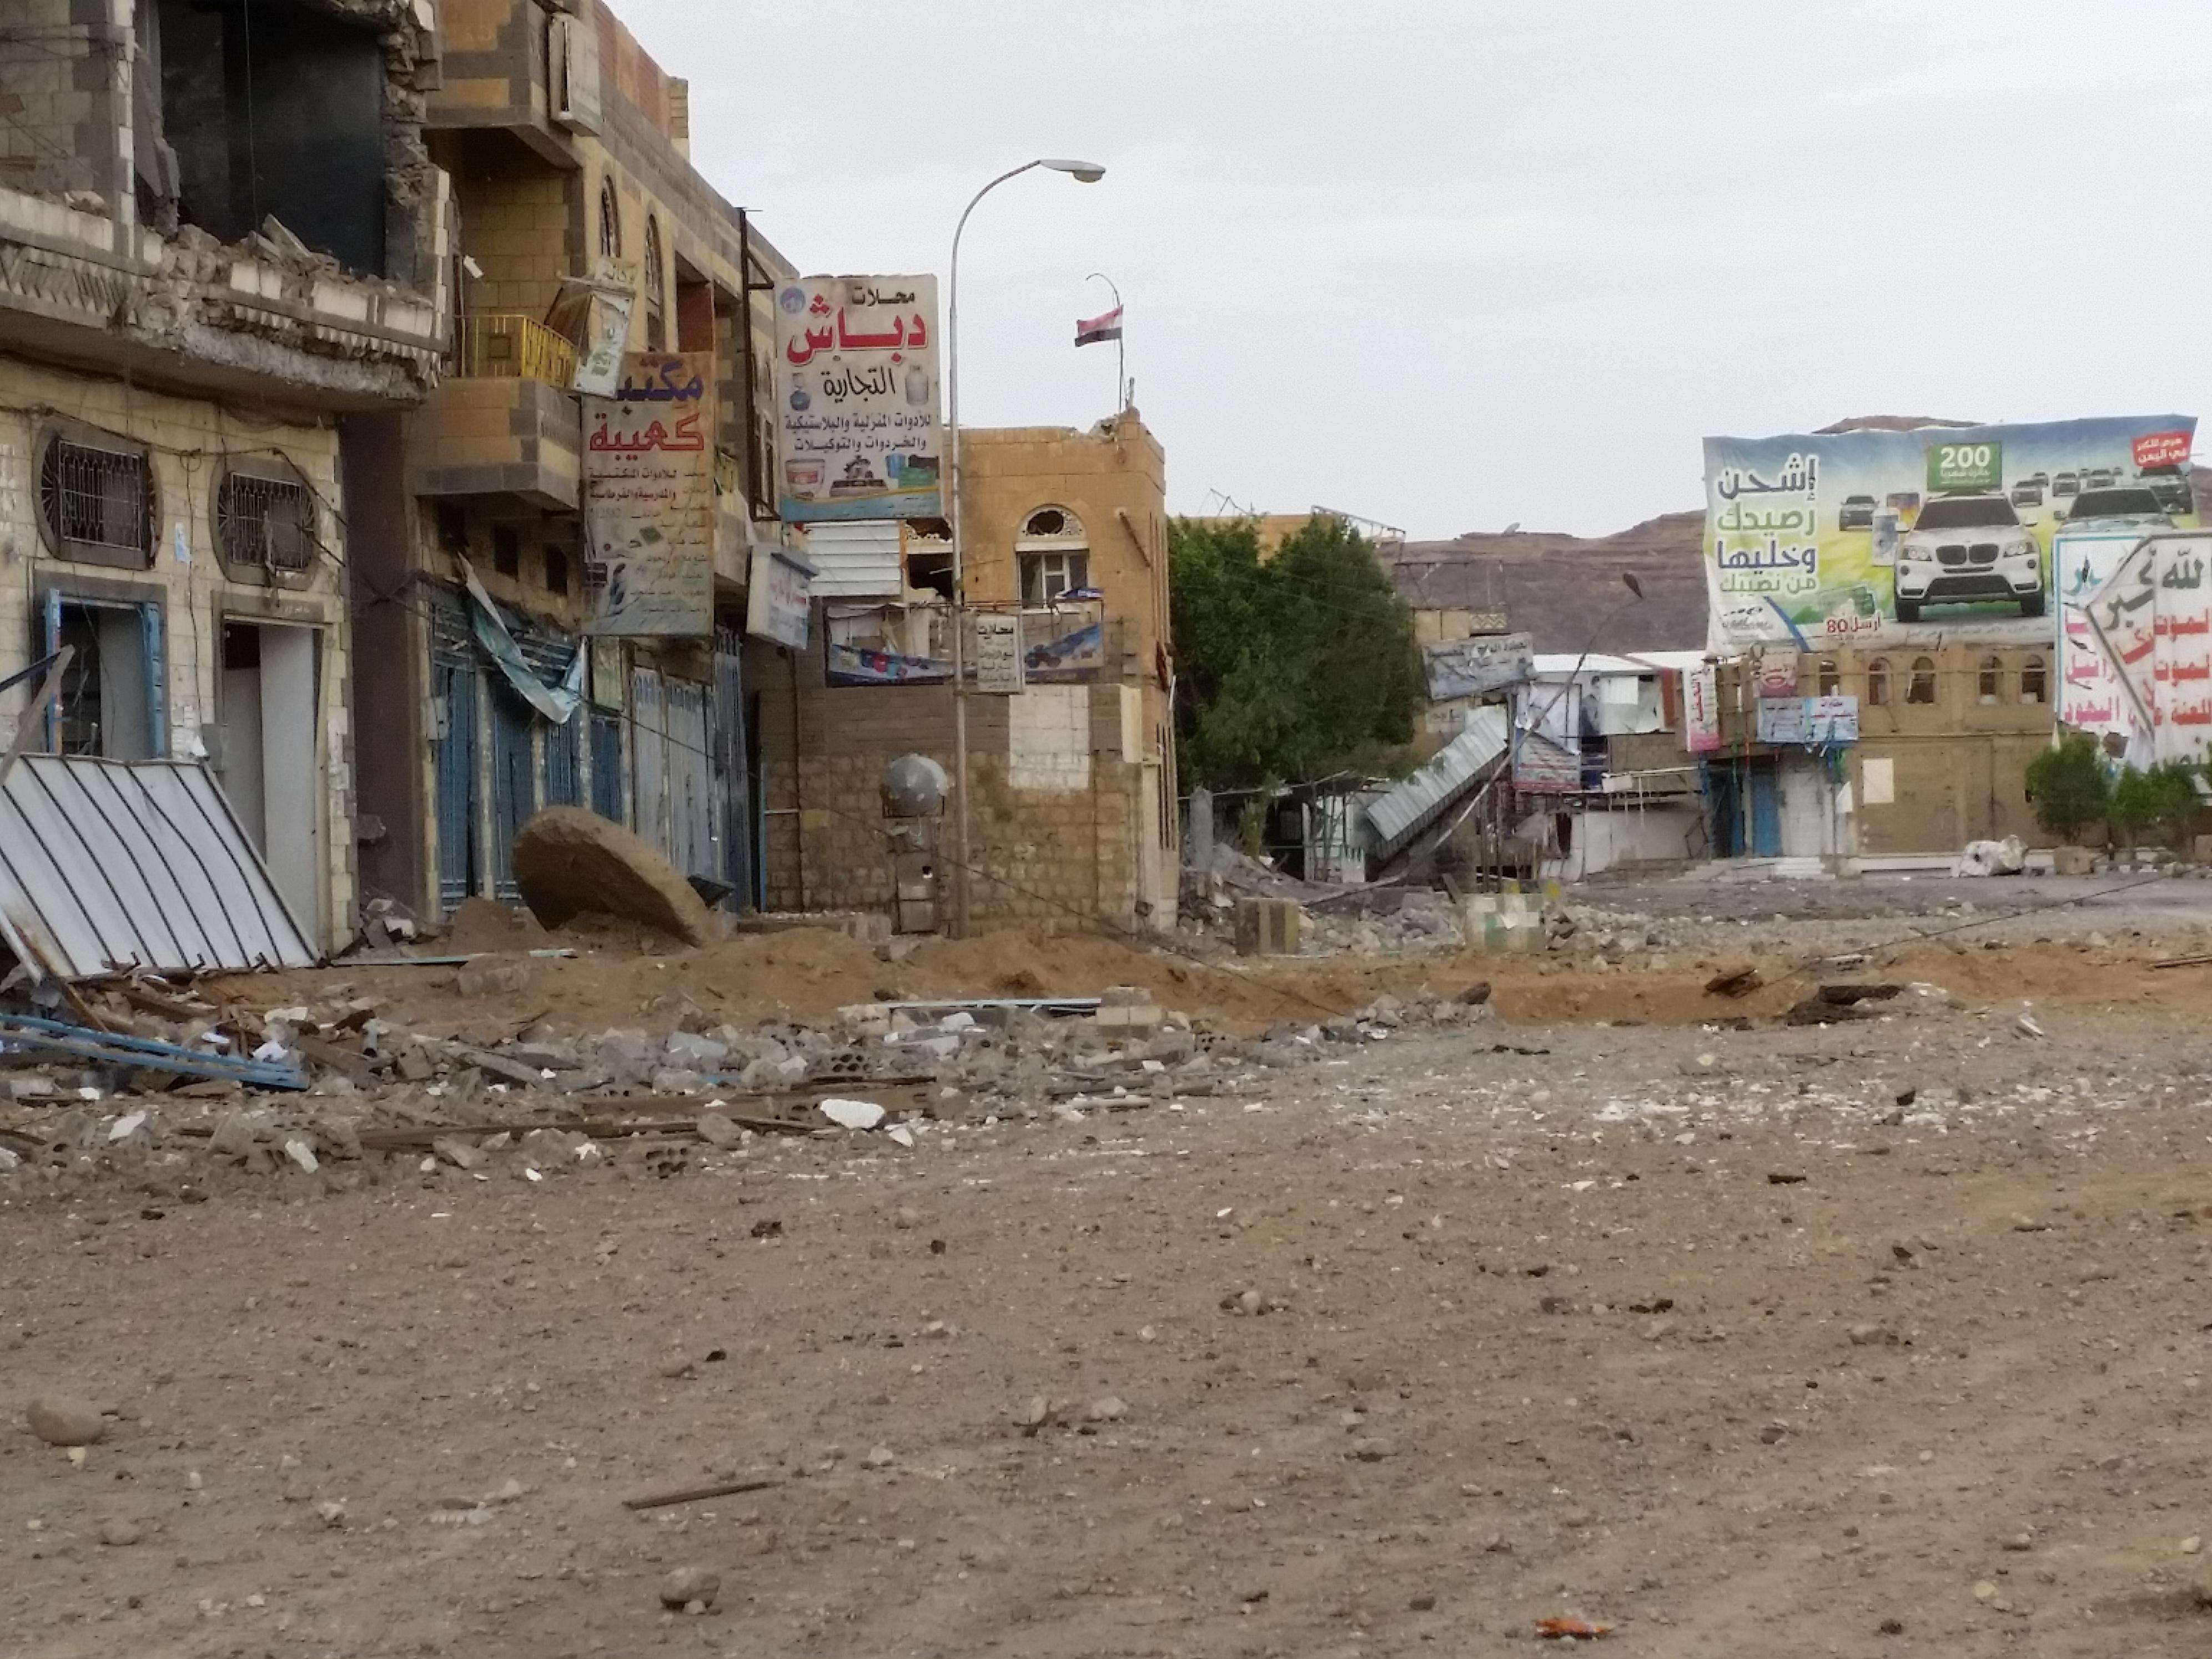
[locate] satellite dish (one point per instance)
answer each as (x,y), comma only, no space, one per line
(1510,528)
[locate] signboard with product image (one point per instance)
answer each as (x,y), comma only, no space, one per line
(1816,540)
(856,399)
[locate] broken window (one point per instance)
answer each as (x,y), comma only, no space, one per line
(96,498)
(656,291)
(506,550)
(1878,682)
(1830,678)
(276,112)
(609,222)
(105,706)
(2033,687)
(264,522)
(556,569)
(1054,554)
(1923,687)
(1990,684)
(452,528)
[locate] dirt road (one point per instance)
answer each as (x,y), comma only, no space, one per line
(1698,1333)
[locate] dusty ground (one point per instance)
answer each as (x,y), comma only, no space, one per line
(1695,1332)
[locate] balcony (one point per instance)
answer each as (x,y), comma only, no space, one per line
(252,320)
(503,422)
(500,345)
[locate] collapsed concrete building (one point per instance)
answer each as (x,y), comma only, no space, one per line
(223,274)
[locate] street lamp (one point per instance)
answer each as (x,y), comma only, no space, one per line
(1084,173)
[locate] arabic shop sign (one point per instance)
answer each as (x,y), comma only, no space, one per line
(777,593)
(649,499)
(998,650)
(857,398)
(1817,540)
(2151,623)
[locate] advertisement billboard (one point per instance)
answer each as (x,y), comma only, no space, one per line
(649,498)
(2151,623)
(856,399)
(1883,537)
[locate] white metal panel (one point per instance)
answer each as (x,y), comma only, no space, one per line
(135,864)
(1449,773)
(856,561)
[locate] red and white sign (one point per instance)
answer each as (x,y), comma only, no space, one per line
(1701,709)
(2162,449)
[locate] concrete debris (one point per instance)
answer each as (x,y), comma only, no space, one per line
(852,1114)
(61,1420)
(570,862)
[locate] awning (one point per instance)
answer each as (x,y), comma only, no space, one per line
(113,865)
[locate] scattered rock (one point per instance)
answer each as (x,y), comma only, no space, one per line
(61,1420)
(1107,1408)
(718,1131)
(690,1589)
(880,1457)
(118,1532)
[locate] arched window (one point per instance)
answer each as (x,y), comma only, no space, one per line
(1990,684)
(2035,687)
(656,291)
(1922,689)
(1054,554)
(1878,682)
(1830,679)
(609,222)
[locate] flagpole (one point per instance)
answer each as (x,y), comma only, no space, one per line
(1120,345)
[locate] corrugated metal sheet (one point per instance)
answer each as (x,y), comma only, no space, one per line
(856,561)
(135,864)
(1415,802)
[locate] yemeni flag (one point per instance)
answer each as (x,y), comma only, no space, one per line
(1095,329)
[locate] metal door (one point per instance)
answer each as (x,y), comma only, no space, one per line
(563,769)
(732,795)
(1766,814)
(514,783)
(454,687)
(695,838)
(607,764)
(648,754)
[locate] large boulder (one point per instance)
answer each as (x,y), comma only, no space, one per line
(570,862)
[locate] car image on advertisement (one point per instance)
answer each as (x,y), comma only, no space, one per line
(1965,547)
(2126,505)
(2065,484)
(2028,492)
(1856,514)
(2170,484)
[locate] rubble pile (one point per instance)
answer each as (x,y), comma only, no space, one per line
(362,1093)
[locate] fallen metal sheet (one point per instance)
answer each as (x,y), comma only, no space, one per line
(1034,1005)
(1412,804)
(143,1053)
(111,865)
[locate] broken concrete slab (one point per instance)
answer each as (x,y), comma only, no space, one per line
(570,862)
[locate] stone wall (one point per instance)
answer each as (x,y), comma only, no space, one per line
(189,442)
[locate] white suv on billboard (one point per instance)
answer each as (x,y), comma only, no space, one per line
(1967,547)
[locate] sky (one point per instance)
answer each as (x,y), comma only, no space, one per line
(1456,264)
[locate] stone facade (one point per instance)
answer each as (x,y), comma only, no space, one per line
(1072,809)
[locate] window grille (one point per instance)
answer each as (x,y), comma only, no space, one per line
(97,501)
(265,523)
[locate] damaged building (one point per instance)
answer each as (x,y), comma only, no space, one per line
(223,252)
(582,228)
(1073,775)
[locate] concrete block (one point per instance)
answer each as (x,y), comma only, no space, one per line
(2080,860)
(1268,927)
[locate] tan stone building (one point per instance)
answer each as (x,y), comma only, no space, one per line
(1072,778)
(223,267)
(569,148)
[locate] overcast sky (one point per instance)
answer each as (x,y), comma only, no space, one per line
(1460,264)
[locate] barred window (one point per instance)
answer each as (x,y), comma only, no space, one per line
(265,523)
(656,290)
(610,223)
(96,499)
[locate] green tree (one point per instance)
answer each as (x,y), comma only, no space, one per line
(1296,666)
(2066,786)
(2161,801)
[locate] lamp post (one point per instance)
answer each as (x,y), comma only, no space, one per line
(1086,173)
